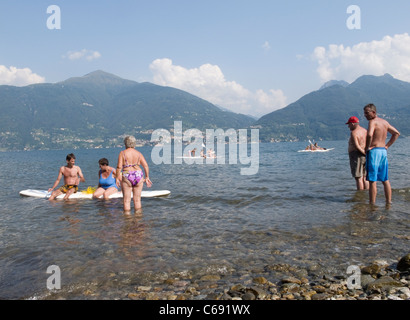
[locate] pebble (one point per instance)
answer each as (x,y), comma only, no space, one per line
(260,280)
(291,280)
(210,277)
(384,283)
(144,288)
(404,263)
(248,296)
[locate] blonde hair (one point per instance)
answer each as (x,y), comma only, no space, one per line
(130,142)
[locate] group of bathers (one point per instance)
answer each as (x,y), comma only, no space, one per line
(134,177)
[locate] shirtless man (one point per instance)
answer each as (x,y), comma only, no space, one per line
(357,153)
(376,152)
(72,177)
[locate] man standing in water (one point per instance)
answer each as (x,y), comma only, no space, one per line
(376,152)
(357,153)
(72,177)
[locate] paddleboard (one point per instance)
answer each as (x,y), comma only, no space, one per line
(82,195)
(316,150)
(186,157)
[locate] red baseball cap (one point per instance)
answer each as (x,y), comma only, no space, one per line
(352,120)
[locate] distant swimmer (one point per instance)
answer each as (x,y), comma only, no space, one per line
(376,152)
(211,153)
(357,153)
(72,176)
(314,147)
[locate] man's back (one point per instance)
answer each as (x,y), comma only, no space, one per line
(378,128)
(357,140)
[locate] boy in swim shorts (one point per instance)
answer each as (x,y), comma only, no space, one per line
(376,152)
(72,177)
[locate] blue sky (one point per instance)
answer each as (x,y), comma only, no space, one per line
(251,57)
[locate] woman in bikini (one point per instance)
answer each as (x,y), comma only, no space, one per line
(107,183)
(129,162)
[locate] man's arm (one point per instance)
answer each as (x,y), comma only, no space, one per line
(370,133)
(60,174)
(80,174)
(394,135)
(356,141)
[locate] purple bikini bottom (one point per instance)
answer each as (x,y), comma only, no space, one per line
(134,176)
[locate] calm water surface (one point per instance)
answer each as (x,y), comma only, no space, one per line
(301,209)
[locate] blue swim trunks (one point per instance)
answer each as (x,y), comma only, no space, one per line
(377,165)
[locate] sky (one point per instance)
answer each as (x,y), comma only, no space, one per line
(251,57)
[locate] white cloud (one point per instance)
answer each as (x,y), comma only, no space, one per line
(389,55)
(209,83)
(88,55)
(18,77)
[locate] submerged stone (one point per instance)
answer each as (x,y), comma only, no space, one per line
(404,263)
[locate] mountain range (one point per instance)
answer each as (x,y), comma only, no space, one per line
(97,110)
(322,114)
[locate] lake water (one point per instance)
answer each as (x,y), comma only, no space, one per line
(300,209)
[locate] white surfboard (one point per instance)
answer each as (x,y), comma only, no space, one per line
(316,150)
(188,157)
(82,195)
